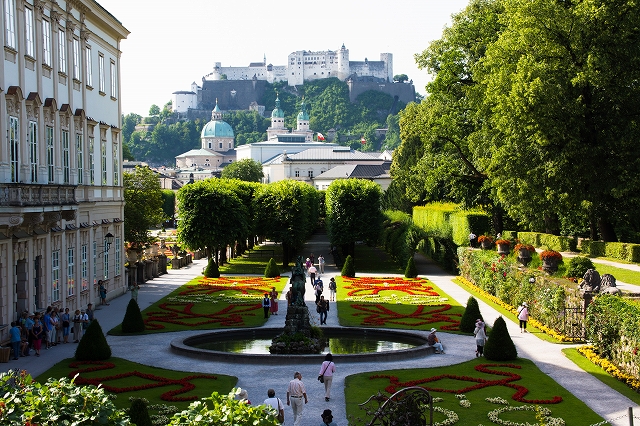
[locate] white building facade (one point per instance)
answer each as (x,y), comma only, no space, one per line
(61,194)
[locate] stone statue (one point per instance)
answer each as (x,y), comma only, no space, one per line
(591,281)
(298,282)
(608,285)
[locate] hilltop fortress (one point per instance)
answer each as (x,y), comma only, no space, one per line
(242,88)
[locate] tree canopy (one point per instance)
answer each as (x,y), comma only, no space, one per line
(143,204)
(248,170)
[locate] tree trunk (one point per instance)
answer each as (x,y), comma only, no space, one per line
(551,224)
(285,255)
(607,231)
(223,256)
(497,220)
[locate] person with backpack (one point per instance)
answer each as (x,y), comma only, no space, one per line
(332,289)
(276,404)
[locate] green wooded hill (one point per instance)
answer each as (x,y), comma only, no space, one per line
(326,101)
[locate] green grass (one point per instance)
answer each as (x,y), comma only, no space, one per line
(600,374)
(203,387)
(625,275)
(396,315)
(195,307)
(375,260)
(255,261)
(360,387)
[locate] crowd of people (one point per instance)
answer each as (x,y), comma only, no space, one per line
(37,330)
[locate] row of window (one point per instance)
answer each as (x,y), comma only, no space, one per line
(309,173)
(56,283)
(47,48)
(65,146)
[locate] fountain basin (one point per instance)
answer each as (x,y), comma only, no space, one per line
(187,346)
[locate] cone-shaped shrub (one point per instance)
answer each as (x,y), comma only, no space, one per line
(272,270)
(499,346)
(133,322)
(470,315)
(349,269)
(411,271)
(93,346)
(139,413)
(211,271)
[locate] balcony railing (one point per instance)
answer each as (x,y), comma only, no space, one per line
(24,195)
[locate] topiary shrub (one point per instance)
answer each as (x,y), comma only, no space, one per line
(349,269)
(499,346)
(272,270)
(411,271)
(133,322)
(93,346)
(578,266)
(470,315)
(212,271)
(139,413)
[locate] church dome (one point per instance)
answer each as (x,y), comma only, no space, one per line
(277,112)
(217,128)
(303,115)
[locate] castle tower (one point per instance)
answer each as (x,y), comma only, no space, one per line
(343,63)
(277,121)
(387,58)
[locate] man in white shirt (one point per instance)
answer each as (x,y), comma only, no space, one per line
(312,274)
(274,403)
(295,392)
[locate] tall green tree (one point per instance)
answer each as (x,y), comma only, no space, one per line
(211,215)
(248,170)
(353,213)
(143,204)
(286,212)
(562,87)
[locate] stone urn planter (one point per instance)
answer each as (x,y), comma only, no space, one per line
(132,256)
(504,247)
(524,253)
(485,242)
(550,260)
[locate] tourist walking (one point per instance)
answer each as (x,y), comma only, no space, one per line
(16,339)
(289,295)
(135,288)
(327,418)
(321,264)
(523,316)
(322,309)
(317,289)
(103,292)
(481,337)
(66,325)
(472,239)
(37,331)
(433,340)
(276,404)
(274,301)
(295,392)
(312,274)
(266,305)
(327,369)
(332,289)
(77,326)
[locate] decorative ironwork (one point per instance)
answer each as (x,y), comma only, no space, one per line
(410,406)
(574,322)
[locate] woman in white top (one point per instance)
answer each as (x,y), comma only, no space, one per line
(523,316)
(481,337)
(326,370)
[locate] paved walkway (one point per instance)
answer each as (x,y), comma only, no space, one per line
(154,350)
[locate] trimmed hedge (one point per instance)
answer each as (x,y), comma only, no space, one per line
(548,241)
(623,251)
(400,236)
(447,221)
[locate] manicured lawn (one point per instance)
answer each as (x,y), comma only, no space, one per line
(124,378)
(517,382)
(255,261)
(209,303)
(621,274)
(396,303)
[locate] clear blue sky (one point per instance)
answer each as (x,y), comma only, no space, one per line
(173,44)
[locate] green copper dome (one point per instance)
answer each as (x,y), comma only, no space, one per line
(217,128)
(277,112)
(303,115)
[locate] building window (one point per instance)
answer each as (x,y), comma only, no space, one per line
(103,161)
(297,173)
(101,72)
(91,160)
(106,261)
(219,145)
(116,166)
(95,263)
(117,254)
(10,23)
(14,147)
(50,154)
(76,59)
(66,166)
(33,151)
(62,52)
(46,42)
(114,85)
(71,277)
(55,275)
(310,173)
(85,267)
(80,158)
(88,68)
(28,29)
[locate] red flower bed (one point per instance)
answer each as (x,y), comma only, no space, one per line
(480,383)
(154,381)
(366,286)
(181,313)
(380,315)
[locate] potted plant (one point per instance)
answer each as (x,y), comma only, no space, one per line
(524,252)
(550,260)
(485,241)
(503,246)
